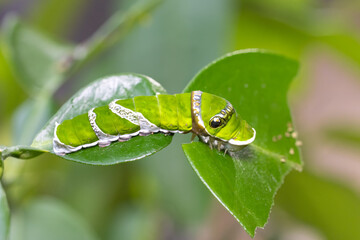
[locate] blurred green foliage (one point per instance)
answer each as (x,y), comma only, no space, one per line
(322,203)
(347,136)
(36,60)
(8,86)
(49,16)
(46,218)
(130,218)
(4,214)
(171,44)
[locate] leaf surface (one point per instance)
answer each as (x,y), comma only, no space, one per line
(256,83)
(100,93)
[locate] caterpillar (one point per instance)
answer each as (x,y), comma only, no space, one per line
(212,118)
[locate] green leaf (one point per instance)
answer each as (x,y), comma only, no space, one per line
(117,152)
(20,151)
(322,203)
(4,214)
(39,65)
(38,62)
(48,218)
(49,16)
(256,83)
(8,100)
(100,93)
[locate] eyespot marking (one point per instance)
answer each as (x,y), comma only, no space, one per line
(216,122)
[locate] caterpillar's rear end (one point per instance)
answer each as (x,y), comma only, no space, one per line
(123,119)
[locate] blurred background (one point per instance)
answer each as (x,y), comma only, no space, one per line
(161,197)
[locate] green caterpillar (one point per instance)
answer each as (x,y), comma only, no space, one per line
(212,118)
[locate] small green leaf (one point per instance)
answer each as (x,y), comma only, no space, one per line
(256,83)
(49,16)
(4,214)
(48,218)
(20,151)
(100,93)
(37,61)
(8,100)
(39,65)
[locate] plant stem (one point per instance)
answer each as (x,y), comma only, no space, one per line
(112,31)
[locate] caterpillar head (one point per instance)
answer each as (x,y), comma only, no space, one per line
(217,123)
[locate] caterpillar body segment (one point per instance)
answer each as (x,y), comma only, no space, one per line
(212,118)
